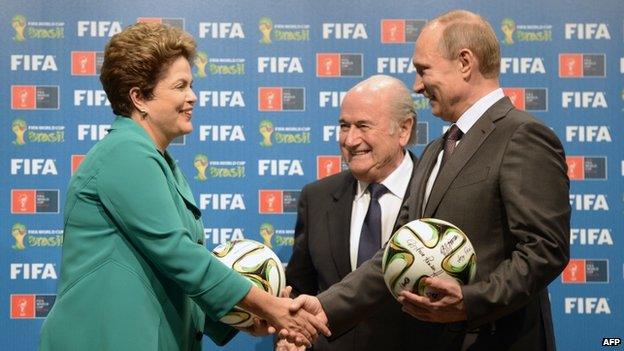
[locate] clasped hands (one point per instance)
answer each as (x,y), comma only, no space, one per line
(444,306)
(296,326)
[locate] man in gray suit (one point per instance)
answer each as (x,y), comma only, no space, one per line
(499,175)
(377,122)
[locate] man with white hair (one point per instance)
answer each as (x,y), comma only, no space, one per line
(342,220)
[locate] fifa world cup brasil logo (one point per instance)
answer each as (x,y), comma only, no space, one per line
(265,25)
(266,130)
(18,231)
(19,25)
(508,26)
(19,128)
(266,232)
(201,163)
(201,60)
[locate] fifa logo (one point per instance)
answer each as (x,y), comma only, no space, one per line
(508,27)
(200,163)
(201,60)
(266,130)
(19,128)
(19,25)
(265,26)
(18,231)
(266,232)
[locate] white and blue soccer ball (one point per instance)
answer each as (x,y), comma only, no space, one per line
(256,262)
(427,248)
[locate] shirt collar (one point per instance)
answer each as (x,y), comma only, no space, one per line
(470,117)
(396,182)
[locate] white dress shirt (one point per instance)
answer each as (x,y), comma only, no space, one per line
(464,123)
(390,204)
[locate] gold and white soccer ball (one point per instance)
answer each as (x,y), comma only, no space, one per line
(256,262)
(423,248)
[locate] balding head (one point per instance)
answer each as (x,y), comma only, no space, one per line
(377,119)
(464,29)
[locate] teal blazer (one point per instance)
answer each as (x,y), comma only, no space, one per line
(135,274)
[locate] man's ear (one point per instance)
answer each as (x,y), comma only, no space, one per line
(406,130)
(467,61)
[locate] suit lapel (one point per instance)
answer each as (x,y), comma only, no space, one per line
(339,222)
(463,152)
(427,161)
(182,186)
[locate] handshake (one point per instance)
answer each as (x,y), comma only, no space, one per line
(297,322)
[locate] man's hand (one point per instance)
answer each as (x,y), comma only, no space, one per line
(298,326)
(309,305)
(446,306)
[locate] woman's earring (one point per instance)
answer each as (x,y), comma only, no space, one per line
(143,114)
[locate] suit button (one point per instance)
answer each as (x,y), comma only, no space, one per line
(199,335)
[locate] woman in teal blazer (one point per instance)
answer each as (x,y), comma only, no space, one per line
(135,274)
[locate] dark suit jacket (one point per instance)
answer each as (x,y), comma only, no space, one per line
(506,187)
(321,258)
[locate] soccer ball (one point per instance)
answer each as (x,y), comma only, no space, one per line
(255,262)
(423,248)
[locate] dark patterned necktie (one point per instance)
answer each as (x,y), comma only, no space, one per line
(450,140)
(370,237)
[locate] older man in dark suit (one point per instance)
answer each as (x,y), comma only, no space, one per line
(338,215)
(498,174)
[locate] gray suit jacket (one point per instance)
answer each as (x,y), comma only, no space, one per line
(506,187)
(321,258)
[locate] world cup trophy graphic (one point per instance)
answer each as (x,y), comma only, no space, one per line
(23,98)
(508,26)
(83,64)
(19,128)
(19,25)
(270,97)
(571,168)
(200,163)
(266,130)
(328,66)
(18,231)
(201,60)
(270,202)
(329,167)
(21,305)
(570,65)
(265,25)
(574,271)
(393,32)
(266,232)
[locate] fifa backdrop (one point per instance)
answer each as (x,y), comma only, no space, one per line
(269,77)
